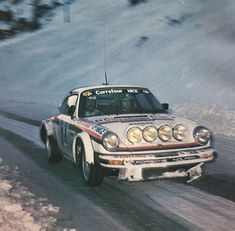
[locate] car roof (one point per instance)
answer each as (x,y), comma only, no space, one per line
(81,89)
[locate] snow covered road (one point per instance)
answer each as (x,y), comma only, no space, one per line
(184,51)
(208,204)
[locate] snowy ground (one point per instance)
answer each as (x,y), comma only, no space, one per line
(184,51)
(19,208)
(176,205)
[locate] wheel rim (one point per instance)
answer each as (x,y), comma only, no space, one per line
(48,147)
(78,154)
(85,167)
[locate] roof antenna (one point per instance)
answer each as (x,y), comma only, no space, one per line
(105,61)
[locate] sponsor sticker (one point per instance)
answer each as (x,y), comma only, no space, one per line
(87,93)
(153,161)
(100,130)
(132,90)
(109,91)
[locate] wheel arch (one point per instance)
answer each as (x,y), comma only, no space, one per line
(46,129)
(89,151)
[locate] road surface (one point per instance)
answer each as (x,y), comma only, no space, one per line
(207,204)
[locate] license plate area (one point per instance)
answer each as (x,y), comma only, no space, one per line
(164,160)
(151,173)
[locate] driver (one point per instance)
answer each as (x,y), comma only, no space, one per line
(126,105)
(91,107)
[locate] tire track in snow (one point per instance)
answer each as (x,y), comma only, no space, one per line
(203,210)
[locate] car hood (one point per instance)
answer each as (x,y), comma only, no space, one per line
(122,123)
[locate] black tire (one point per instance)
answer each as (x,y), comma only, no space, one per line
(79,150)
(92,174)
(53,153)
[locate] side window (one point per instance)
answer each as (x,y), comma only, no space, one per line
(63,106)
(67,103)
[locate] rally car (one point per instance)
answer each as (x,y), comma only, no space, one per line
(125,131)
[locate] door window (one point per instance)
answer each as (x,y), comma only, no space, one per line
(67,103)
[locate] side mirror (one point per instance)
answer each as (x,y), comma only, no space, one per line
(165,106)
(71,110)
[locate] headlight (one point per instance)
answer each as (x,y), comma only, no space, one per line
(150,133)
(202,135)
(134,135)
(110,141)
(165,133)
(179,132)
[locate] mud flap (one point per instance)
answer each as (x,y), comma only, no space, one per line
(130,173)
(194,173)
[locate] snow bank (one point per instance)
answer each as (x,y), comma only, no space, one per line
(219,121)
(19,208)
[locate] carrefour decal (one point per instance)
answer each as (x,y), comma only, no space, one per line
(109,91)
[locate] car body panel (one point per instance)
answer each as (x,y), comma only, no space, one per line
(132,159)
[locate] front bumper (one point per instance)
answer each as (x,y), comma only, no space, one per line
(137,167)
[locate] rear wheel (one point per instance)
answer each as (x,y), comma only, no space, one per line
(92,173)
(53,153)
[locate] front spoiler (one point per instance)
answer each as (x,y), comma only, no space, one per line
(185,164)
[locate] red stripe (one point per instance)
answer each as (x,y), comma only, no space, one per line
(90,132)
(158,146)
(95,135)
(98,137)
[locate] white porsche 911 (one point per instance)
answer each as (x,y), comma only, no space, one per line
(125,131)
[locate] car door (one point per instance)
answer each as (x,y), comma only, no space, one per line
(65,122)
(69,128)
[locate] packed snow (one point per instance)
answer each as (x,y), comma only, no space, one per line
(181,50)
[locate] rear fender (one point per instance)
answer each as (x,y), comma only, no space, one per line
(89,151)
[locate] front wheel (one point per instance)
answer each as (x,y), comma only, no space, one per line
(53,153)
(93,174)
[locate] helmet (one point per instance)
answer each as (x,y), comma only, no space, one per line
(126,103)
(91,98)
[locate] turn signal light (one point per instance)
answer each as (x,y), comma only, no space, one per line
(116,162)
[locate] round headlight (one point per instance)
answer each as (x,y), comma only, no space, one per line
(110,141)
(202,135)
(150,133)
(134,135)
(165,133)
(179,132)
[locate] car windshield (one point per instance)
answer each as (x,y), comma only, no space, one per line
(115,101)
